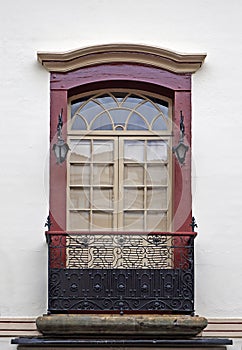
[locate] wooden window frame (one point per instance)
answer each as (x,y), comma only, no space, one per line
(118,137)
(118,172)
(127,66)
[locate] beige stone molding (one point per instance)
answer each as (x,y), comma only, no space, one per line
(217,327)
(18,327)
(223,327)
(121,53)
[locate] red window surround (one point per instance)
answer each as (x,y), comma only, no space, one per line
(94,70)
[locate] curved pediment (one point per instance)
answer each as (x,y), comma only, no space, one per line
(121,53)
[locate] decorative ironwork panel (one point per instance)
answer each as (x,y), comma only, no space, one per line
(116,289)
(121,272)
(119,251)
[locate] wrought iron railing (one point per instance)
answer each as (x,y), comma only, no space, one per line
(121,272)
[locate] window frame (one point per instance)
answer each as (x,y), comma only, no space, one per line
(73,134)
(134,76)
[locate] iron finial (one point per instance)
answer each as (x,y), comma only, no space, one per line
(193,224)
(48,222)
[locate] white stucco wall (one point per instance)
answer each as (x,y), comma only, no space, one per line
(205,26)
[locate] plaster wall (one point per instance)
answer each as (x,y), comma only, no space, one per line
(208,26)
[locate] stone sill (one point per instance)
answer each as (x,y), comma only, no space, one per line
(139,325)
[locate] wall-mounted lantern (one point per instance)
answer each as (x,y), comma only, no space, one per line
(181,149)
(60,148)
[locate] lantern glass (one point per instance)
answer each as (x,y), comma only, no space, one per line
(60,149)
(180,151)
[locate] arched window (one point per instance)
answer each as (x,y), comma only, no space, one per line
(120,162)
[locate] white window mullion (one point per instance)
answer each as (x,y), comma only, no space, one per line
(116,183)
(91,188)
(145,186)
(120,183)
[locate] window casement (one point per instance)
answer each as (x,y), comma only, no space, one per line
(120,205)
(119,165)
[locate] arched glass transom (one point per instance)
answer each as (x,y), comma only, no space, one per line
(120,111)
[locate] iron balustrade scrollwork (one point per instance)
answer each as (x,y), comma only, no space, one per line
(110,272)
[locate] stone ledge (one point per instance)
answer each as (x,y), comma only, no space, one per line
(114,324)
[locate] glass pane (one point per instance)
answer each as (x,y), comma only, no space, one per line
(148,110)
(164,107)
(156,150)
(134,151)
(159,124)
(133,198)
(102,174)
(75,106)
(137,123)
(157,198)
(80,150)
(134,220)
(107,101)
(157,175)
(102,151)
(90,110)
(79,198)
(132,101)
(119,116)
(133,175)
(102,220)
(79,174)
(156,221)
(102,198)
(102,122)
(78,124)
(79,220)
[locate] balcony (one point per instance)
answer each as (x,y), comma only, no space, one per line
(122,272)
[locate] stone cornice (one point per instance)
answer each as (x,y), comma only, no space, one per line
(121,53)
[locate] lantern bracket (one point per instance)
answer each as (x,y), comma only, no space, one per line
(181,149)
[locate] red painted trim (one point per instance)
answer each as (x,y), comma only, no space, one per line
(182,199)
(177,86)
(57,172)
(57,251)
(122,84)
(129,72)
